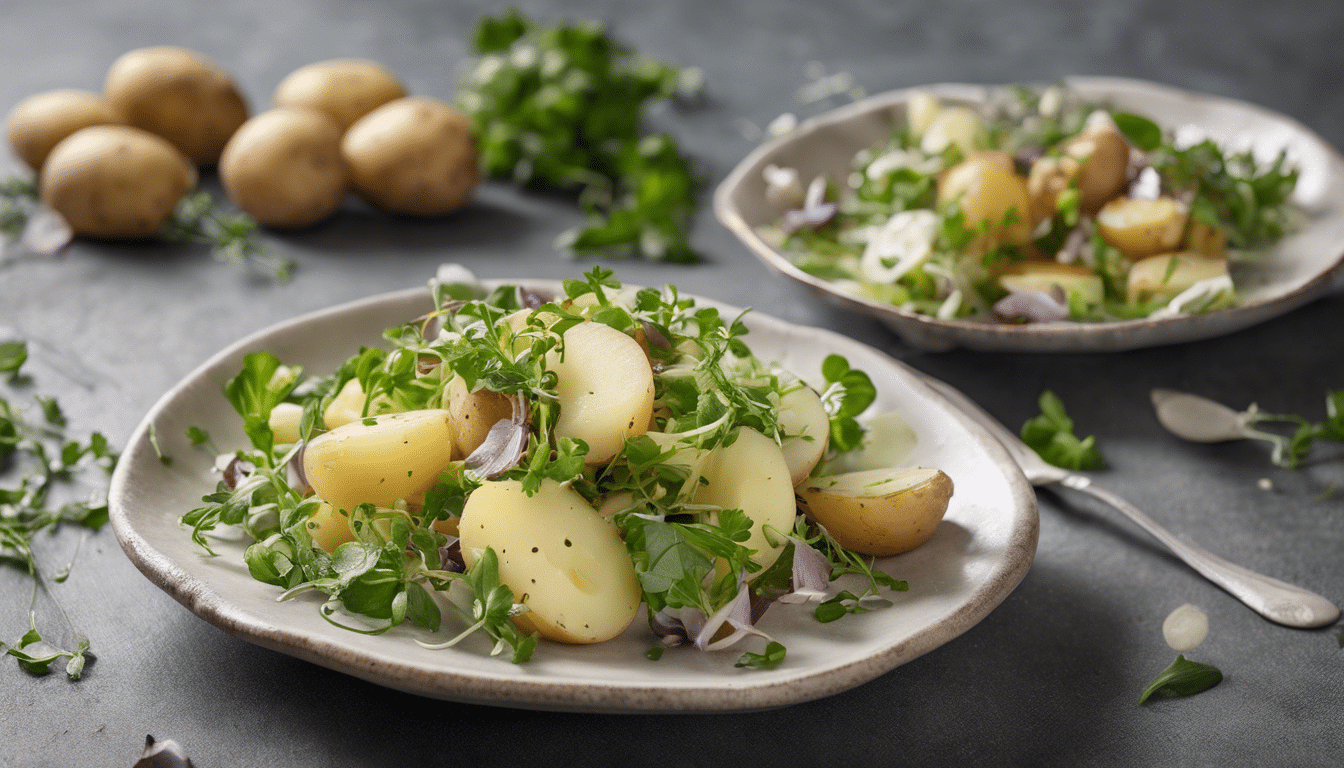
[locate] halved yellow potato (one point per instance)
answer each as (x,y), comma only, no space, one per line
(559,556)
(348,405)
(285,420)
(752,475)
(987,191)
(807,431)
(474,413)
(381,459)
(1142,228)
(952,126)
(605,389)
(879,512)
(1205,240)
(1162,277)
(1043,275)
(330,527)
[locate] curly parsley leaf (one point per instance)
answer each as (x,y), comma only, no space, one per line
(1051,435)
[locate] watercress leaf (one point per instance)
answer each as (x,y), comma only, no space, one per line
(772,657)
(1183,678)
(13,354)
(1139,131)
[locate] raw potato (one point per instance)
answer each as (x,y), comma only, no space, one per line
(41,121)
(398,456)
(348,406)
(115,181)
(560,558)
(342,89)
(1162,277)
(180,95)
(605,389)
(474,413)
(284,168)
(751,475)
(880,512)
(413,155)
(987,191)
(807,429)
(1142,228)
(1043,275)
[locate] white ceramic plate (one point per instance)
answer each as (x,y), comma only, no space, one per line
(1298,270)
(977,556)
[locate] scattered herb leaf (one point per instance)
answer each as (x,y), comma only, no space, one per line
(1183,678)
(1051,435)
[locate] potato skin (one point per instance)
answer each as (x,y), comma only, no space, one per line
(284,168)
(180,95)
(1096,160)
(987,191)
(878,525)
(115,181)
(1142,228)
(343,89)
(413,155)
(474,413)
(41,121)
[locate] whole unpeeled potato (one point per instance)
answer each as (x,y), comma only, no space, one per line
(180,95)
(115,181)
(413,155)
(342,89)
(41,121)
(284,167)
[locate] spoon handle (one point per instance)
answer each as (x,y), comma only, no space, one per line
(1275,600)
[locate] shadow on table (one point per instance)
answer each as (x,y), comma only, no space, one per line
(1048,662)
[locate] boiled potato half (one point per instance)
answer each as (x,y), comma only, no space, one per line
(180,95)
(990,194)
(879,512)
(115,181)
(1096,161)
(559,556)
(474,413)
(752,475)
(413,155)
(1141,227)
(1043,275)
(1162,277)
(348,406)
(807,431)
(605,389)
(381,459)
(342,89)
(284,168)
(41,121)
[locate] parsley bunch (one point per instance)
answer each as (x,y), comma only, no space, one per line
(43,457)
(562,107)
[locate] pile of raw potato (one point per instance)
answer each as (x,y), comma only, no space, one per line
(116,165)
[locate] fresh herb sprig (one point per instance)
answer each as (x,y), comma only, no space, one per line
(18,198)
(1051,435)
(1183,678)
(42,455)
(233,238)
(562,106)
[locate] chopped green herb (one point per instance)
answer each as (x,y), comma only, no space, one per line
(1051,435)
(1183,678)
(232,237)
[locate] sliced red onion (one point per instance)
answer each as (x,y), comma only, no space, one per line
(531,299)
(677,626)
(811,574)
(46,232)
(1033,306)
(813,217)
(504,444)
(298,479)
(236,472)
(736,613)
(655,337)
(1072,249)
(450,556)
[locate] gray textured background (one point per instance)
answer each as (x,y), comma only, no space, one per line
(1049,678)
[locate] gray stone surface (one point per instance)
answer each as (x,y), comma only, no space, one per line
(1049,678)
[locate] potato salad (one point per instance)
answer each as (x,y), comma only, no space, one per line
(1035,207)
(557,466)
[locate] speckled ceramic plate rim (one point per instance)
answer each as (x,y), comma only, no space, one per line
(932,333)
(129,489)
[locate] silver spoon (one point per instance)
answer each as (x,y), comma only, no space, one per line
(1275,600)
